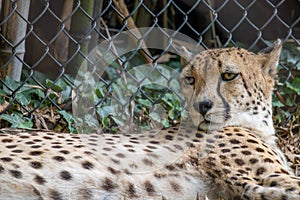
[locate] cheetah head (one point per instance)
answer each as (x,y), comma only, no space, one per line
(230,87)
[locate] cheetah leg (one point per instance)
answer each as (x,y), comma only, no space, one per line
(274,187)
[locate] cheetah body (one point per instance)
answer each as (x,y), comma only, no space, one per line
(119,168)
(231,153)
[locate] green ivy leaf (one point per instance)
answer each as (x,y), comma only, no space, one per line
(106,111)
(165,123)
(295,85)
(118,121)
(277,103)
(144,102)
(105,122)
(69,119)
(26,95)
(37,92)
(17,120)
(172,113)
(58,86)
(11,85)
(100,90)
(92,122)
(24,100)
(155,117)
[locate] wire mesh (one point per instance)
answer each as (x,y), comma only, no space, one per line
(58,36)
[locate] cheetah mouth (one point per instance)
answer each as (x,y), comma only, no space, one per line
(209,125)
(215,118)
(212,119)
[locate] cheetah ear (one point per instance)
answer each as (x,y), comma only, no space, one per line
(185,56)
(271,55)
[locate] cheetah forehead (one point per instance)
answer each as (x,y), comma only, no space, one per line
(225,60)
(207,66)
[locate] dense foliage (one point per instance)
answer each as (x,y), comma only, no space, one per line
(26,104)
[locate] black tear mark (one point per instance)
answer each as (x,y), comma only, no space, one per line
(227,106)
(245,86)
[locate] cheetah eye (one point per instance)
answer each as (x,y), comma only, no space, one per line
(229,76)
(189,80)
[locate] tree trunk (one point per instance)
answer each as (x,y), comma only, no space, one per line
(13,29)
(96,26)
(81,33)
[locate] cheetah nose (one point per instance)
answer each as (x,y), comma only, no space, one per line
(204,106)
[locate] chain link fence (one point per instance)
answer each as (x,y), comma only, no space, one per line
(44,42)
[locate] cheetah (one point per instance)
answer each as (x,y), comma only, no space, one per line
(225,149)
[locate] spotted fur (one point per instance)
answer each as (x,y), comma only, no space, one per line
(230,161)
